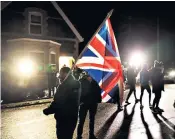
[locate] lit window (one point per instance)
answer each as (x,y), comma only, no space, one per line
(35,23)
(53,61)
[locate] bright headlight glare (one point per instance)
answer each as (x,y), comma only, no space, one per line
(137,59)
(26,66)
(172,73)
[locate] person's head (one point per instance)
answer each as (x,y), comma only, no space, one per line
(161,63)
(156,64)
(77,72)
(145,67)
(162,66)
(63,73)
(89,78)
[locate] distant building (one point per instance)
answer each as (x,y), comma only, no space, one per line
(39,31)
(32,24)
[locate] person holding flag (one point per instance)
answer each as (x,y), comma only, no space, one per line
(90,97)
(101,60)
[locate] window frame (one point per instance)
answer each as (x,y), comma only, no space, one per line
(30,22)
(52,53)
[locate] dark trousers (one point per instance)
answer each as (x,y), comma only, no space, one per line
(118,99)
(157,98)
(51,91)
(65,126)
(147,87)
(82,116)
(132,89)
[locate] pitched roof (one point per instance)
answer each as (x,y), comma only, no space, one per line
(4,4)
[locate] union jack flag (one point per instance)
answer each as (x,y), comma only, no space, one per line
(101,60)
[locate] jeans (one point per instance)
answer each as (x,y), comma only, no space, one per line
(92,108)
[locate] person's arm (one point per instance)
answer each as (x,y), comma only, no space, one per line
(50,109)
(57,98)
(97,91)
(141,77)
(163,88)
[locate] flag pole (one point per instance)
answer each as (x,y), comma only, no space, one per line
(108,16)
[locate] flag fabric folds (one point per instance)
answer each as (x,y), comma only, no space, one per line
(101,60)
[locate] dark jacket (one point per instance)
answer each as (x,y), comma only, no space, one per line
(66,99)
(157,80)
(52,79)
(131,76)
(144,77)
(91,91)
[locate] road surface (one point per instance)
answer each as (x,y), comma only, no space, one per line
(131,123)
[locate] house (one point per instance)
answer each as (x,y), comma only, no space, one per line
(39,32)
(42,23)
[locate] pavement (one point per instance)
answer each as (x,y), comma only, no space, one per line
(28,122)
(26,103)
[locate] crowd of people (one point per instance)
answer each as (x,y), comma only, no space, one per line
(154,76)
(78,93)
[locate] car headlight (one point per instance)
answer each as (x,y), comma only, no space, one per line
(25,67)
(172,73)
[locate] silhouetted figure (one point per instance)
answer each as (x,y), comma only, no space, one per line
(117,96)
(131,76)
(116,99)
(157,80)
(77,73)
(144,81)
(65,105)
(90,97)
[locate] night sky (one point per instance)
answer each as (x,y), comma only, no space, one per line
(134,23)
(141,29)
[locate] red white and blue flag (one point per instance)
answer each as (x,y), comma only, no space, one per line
(101,60)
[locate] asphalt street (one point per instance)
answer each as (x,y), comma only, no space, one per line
(131,123)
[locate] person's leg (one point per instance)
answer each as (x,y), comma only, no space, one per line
(81,119)
(118,102)
(158,99)
(67,125)
(154,101)
(129,94)
(134,89)
(92,113)
(141,96)
(149,92)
